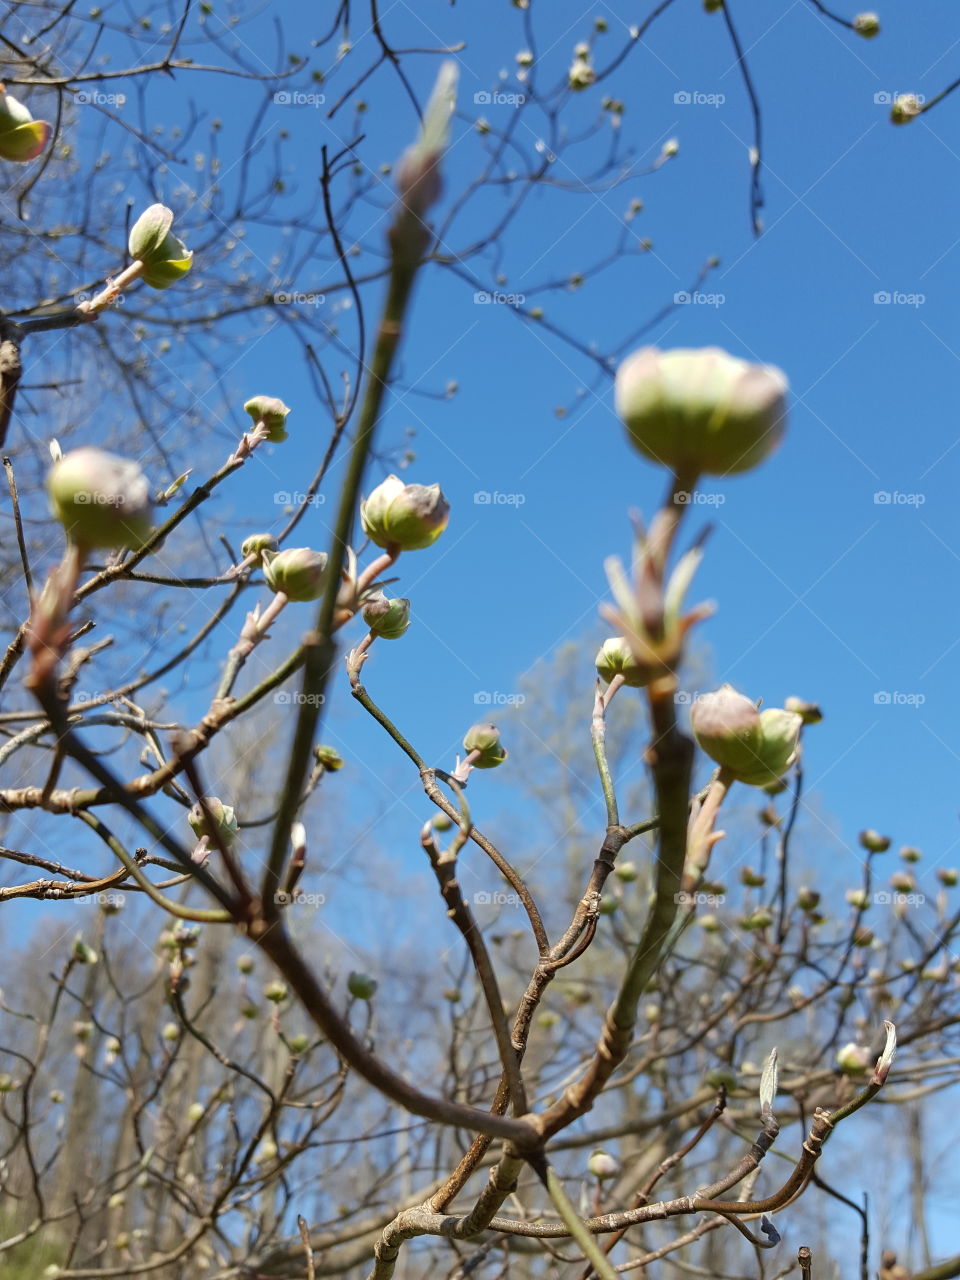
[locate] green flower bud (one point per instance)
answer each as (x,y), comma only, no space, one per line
(867,25)
(616,659)
(245,964)
(713,6)
(603,1165)
(386,618)
(807,899)
(249,1011)
(862,936)
(21,137)
(405,516)
(82,1030)
(547,1019)
(709,923)
(299,1043)
(195,1112)
(903,882)
(330,760)
(56,1096)
(298,572)
(909,854)
(361,986)
(808,712)
(256,544)
(854,1059)
(266,1152)
(222,822)
(626,871)
(164,256)
(276,992)
(761,919)
(452,994)
(7,1082)
(485,739)
(858,898)
(717,1077)
(581,75)
(100,499)
(874,842)
(670,149)
(440,822)
(82,953)
(272,413)
(757,747)
(948,876)
(701,410)
(752,879)
(608,907)
(906,107)
(170,1032)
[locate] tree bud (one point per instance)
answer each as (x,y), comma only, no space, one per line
(906,107)
(272,413)
(581,74)
(485,740)
(752,879)
(298,572)
(867,25)
(222,823)
(245,964)
(329,759)
(404,516)
(21,137)
(853,1059)
(761,919)
(874,842)
(616,659)
(757,747)
(361,986)
(603,1165)
(626,871)
(82,953)
(808,712)
(100,499)
(909,854)
(807,899)
(256,544)
(948,876)
(276,992)
(858,898)
(701,410)
(386,618)
(164,256)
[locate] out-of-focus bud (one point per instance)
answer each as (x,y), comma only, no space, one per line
(948,876)
(874,842)
(547,1019)
(717,1077)
(608,907)
(256,544)
(195,1112)
(299,1043)
(418,170)
(276,992)
(298,572)
(361,986)
(272,413)
(903,882)
(581,74)
(701,410)
(245,964)
(330,759)
(222,823)
(616,659)
(100,499)
(485,740)
(906,107)
(853,1059)
(171,1032)
(867,25)
(82,953)
(858,898)
(757,747)
(709,923)
(266,1152)
(452,994)
(440,822)
(808,712)
(404,516)
(21,137)
(164,256)
(909,854)
(713,6)
(603,1165)
(670,148)
(862,936)
(761,919)
(752,879)
(386,618)
(626,871)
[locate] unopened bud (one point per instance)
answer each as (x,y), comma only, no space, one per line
(906,107)
(21,137)
(328,758)
(626,871)
(361,986)
(164,256)
(100,499)
(297,572)
(272,413)
(808,712)
(219,822)
(853,1059)
(402,516)
(757,747)
(874,842)
(616,659)
(276,992)
(387,618)
(948,876)
(909,854)
(603,1165)
(256,544)
(867,25)
(485,740)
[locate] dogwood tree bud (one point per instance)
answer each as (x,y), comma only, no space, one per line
(581,74)
(408,517)
(328,758)
(752,879)
(276,992)
(948,876)
(807,899)
(485,740)
(101,500)
(808,712)
(858,898)
(256,544)
(626,871)
(603,1165)
(21,137)
(272,413)
(853,1059)
(874,842)
(867,25)
(245,964)
(757,747)
(164,256)
(361,986)
(222,822)
(386,618)
(906,107)
(297,571)
(616,659)
(909,854)
(701,410)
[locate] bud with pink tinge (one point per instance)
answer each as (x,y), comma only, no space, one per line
(407,517)
(298,572)
(485,740)
(699,411)
(756,747)
(163,255)
(387,618)
(21,137)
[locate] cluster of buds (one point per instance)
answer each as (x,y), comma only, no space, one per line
(755,747)
(21,137)
(163,257)
(701,411)
(404,517)
(101,500)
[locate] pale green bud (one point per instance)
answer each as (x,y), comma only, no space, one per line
(245,964)
(626,871)
(867,25)
(757,747)
(808,712)
(581,75)
(853,1059)
(171,1031)
(909,854)
(874,842)
(761,919)
(615,658)
(405,516)
(195,1112)
(298,572)
(276,992)
(100,499)
(948,876)
(858,898)
(299,1043)
(361,986)
(603,1165)
(330,760)
(82,953)
(272,413)
(701,410)
(21,137)
(164,256)
(906,107)
(256,544)
(386,618)
(222,822)
(485,739)
(752,879)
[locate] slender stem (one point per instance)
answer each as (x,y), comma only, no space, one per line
(15,501)
(575,1224)
(598,731)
